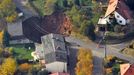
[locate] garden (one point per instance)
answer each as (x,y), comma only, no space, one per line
(112,65)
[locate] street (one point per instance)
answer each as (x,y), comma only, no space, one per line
(98,53)
(27,12)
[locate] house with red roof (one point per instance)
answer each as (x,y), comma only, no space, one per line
(120,11)
(60,73)
(127,69)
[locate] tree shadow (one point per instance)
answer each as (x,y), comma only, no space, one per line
(72,60)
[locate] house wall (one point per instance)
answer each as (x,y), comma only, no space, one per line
(119,18)
(20,41)
(39,50)
(57,66)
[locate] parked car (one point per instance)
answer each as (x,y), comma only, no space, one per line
(19,12)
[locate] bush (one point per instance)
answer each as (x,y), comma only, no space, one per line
(8,67)
(5,54)
(25,67)
(117,28)
(85,63)
(6,38)
(90,31)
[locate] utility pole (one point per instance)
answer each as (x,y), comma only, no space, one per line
(105,45)
(105,48)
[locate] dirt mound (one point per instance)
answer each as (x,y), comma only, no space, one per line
(57,23)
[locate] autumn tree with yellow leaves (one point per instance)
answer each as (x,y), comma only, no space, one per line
(85,63)
(1,41)
(8,67)
(1,37)
(8,10)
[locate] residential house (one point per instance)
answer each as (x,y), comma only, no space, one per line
(60,73)
(120,11)
(55,52)
(127,69)
(15,31)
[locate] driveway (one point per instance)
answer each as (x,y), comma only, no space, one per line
(28,12)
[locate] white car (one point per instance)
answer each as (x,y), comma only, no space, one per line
(20,13)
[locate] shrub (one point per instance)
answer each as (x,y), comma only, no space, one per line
(85,63)
(25,67)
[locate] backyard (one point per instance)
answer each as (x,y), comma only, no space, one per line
(112,65)
(22,51)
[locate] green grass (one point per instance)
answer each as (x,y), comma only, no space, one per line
(39,4)
(22,53)
(116,69)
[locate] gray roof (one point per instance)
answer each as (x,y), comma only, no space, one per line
(54,48)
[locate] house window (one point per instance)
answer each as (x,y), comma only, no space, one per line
(101,28)
(120,21)
(118,16)
(58,48)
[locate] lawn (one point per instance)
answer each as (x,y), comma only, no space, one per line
(20,52)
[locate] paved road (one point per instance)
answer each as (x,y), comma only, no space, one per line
(28,12)
(99,53)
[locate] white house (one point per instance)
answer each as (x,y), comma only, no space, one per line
(39,50)
(120,19)
(121,11)
(53,51)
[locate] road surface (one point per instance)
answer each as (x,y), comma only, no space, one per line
(98,53)
(28,12)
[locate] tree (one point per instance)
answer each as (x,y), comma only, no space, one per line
(60,4)
(6,38)
(85,2)
(1,37)
(50,6)
(85,63)
(8,67)
(1,41)
(25,67)
(130,3)
(89,31)
(43,72)
(12,17)
(75,16)
(7,10)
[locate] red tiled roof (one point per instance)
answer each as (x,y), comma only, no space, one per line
(120,7)
(130,71)
(124,68)
(127,69)
(59,73)
(124,10)
(111,7)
